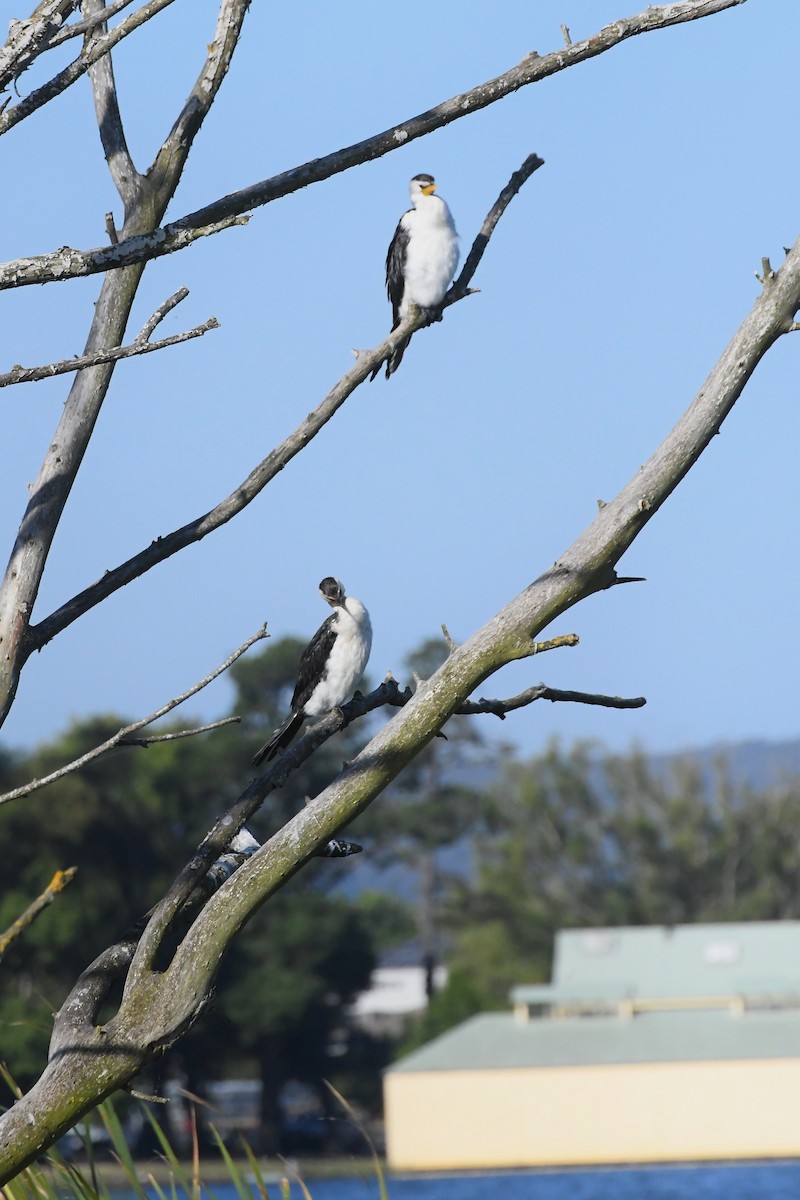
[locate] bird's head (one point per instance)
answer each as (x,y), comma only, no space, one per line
(422,185)
(332,591)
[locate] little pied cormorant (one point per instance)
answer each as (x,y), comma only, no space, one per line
(330,667)
(422,257)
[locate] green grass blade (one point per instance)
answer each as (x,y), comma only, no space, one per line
(74,1183)
(179,1173)
(285,1182)
(113,1127)
(243,1189)
(156,1187)
(253,1163)
(376,1162)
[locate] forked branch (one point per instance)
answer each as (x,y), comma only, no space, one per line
(141,344)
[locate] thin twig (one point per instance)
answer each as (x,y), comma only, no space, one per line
(179,733)
(397,698)
(500,708)
(158,316)
(556,643)
(459,287)
(137,347)
(451,645)
(123,734)
(56,885)
(89,23)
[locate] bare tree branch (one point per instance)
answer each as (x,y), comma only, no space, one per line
(501,708)
(78,68)
(21,48)
(57,884)
(123,736)
(517,180)
(144,742)
(68,264)
(28,38)
(140,345)
(171,158)
(78,28)
(368,362)
(65,452)
(71,264)
(109,119)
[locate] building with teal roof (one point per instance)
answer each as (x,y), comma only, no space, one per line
(649,1044)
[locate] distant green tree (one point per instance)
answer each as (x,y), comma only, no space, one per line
(128,821)
(584,839)
(390,918)
(460,998)
(438,803)
(125,822)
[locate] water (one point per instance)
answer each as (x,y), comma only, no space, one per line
(750,1181)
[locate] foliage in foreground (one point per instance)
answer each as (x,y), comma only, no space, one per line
(54,1177)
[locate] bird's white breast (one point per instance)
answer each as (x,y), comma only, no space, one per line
(347,660)
(431,253)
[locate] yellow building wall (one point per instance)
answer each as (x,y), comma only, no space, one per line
(657,1112)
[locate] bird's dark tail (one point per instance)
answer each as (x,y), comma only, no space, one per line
(280,738)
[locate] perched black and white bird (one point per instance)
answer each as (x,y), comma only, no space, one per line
(330,667)
(422,257)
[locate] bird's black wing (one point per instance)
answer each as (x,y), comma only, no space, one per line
(312,666)
(395,269)
(280,739)
(312,663)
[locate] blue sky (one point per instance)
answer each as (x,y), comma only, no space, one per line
(609,290)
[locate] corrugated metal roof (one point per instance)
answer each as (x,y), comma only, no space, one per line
(496,1040)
